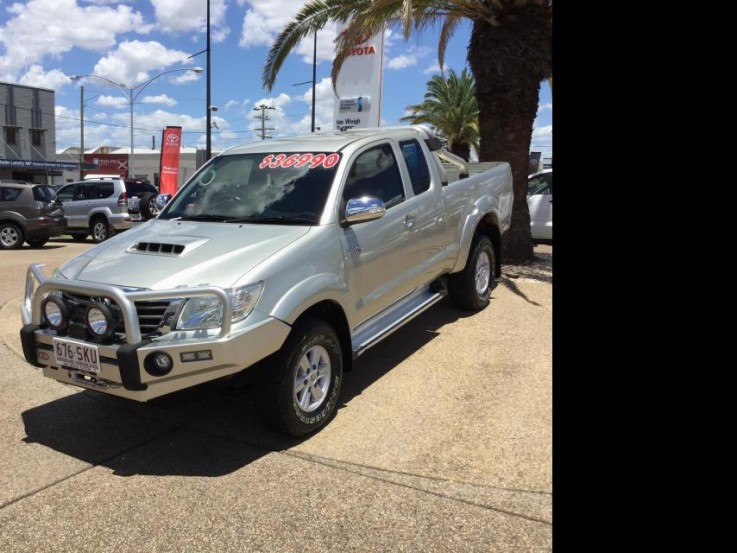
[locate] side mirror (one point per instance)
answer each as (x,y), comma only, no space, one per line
(359,210)
(161,200)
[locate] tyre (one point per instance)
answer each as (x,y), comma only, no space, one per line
(100,229)
(149,209)
(300,384)
(37,242)
(79,237)
(11,236)
(471,288)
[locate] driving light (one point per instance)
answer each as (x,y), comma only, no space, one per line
(100,320)
(56,313)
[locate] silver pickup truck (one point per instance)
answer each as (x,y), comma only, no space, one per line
(296,254)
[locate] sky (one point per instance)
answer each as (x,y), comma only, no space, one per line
(45,42)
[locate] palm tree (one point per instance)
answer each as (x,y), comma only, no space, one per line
(450,107)
(509,52)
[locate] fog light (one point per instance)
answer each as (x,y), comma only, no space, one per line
(158,363)
(56,313)
(100,320)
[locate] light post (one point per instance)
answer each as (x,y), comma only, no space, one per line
(131,93)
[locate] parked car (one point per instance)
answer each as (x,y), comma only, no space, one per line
(540,203)
(28,212)
(97,207)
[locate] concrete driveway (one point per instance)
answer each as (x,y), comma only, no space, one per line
(443,442)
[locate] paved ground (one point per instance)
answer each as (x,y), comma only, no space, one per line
(443,442)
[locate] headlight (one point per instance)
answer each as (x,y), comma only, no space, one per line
(206,311)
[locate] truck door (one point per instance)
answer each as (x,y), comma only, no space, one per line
(428,252)
(378,254)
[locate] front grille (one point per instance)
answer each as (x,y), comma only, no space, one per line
(150,313)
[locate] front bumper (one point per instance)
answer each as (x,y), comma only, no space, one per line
(198,356)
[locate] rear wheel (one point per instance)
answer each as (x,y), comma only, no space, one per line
(300,385)
(471,288)
(100,230)
(11,237)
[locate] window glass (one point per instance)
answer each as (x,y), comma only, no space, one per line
(10,194)
(375,173)
(67,193)
(105,189)
(419,173)
(11,135)
(541,184)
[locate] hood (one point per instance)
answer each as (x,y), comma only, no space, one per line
(163,254)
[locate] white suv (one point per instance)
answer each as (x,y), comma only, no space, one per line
(96,207)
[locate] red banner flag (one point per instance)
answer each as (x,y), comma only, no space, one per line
(169,168)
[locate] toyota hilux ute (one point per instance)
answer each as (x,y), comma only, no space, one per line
(296,255)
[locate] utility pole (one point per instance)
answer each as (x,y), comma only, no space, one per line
(263,118)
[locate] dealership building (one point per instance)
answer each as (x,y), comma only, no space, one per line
(28,145)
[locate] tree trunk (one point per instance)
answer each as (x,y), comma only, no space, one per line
(461,150)
(509,62)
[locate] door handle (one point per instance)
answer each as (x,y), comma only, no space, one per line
(409,221)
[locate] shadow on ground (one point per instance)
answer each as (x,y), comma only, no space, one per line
(209,430)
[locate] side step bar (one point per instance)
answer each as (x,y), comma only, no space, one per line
(372,332)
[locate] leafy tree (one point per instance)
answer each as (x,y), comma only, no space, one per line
(450,107)
(510,53)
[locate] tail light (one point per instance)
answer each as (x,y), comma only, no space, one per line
(123,200)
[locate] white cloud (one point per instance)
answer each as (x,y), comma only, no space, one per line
(410,58)
(181,16)
(36,76)
(160,99)
(401,62)
(112,101)
(543,135)
(543,107)
(133,61)
(41,28)
(265,20)
(432,69)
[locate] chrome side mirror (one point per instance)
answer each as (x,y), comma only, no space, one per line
(359,210)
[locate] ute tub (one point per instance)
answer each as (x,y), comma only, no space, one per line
(198,356)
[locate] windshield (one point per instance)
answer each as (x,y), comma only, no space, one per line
(278,188)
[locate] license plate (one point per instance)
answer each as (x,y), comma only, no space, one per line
(77,355)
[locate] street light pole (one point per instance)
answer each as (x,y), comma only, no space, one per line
(81,131)
(208,123)
(132,93)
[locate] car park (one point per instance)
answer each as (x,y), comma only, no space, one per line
(96,207)
(29,213)
(540,204)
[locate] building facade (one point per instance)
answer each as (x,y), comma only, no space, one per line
(28,139)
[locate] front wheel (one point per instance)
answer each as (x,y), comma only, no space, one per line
(11,237)
(471,288)
(301,383)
